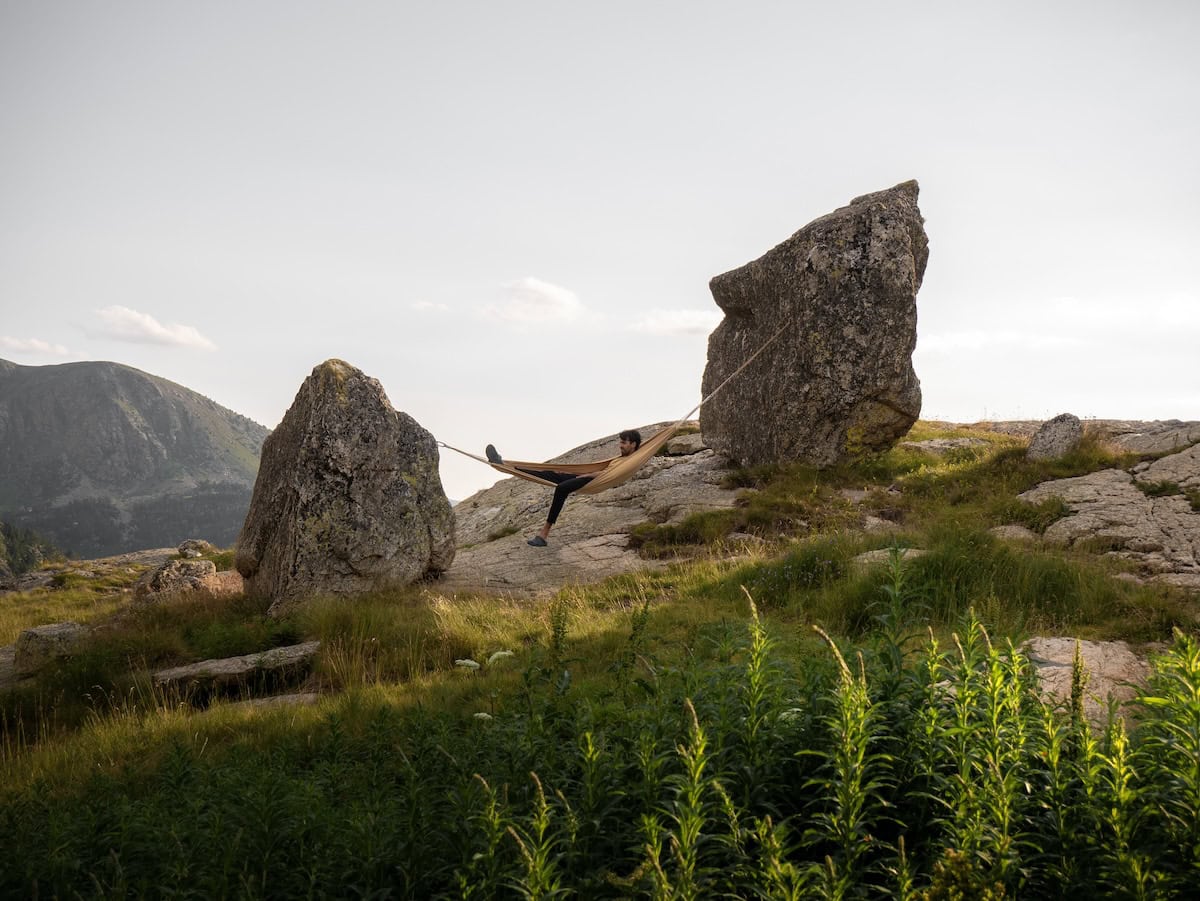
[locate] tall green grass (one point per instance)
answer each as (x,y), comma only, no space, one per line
(875,773)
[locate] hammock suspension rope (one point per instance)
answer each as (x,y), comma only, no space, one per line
(616,470)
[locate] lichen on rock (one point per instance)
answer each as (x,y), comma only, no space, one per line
(348,497)
(839,379)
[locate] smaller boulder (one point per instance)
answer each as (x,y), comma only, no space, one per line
(41,645)
(174,577)
(1056,438)
(1015,532)
(1114,672)
(195,547)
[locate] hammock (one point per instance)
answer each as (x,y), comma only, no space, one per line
(615,470)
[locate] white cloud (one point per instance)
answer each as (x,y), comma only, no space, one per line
(678,322)
(125,324)
(428,306)
(530,300)
(34,346)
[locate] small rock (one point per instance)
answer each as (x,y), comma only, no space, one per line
(943,446)
(231,670)
(1114,671)
(882,555)
(195,547)
(1014,532)
(37,647)
(683,445)
(174,577)
(1056,438)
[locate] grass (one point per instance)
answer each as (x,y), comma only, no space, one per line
(682,732)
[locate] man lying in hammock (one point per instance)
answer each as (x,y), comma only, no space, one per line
(565,482)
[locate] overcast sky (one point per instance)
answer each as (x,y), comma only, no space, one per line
(508,212)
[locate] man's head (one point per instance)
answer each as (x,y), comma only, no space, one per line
(631,440)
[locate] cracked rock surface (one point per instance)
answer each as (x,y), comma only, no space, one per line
(1161,534)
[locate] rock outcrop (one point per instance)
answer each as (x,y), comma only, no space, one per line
(1056,438)
(41,645)
(276,662)
(174,577)
(591,540)
(348,496)
(1145,516)
(1114,673)
(839,379)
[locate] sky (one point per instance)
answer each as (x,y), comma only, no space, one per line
(509,212)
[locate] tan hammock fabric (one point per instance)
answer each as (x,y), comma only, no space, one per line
(608,473)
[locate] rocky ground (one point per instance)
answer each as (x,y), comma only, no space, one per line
(1146,515)
(590,542)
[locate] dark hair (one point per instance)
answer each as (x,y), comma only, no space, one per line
(632,435)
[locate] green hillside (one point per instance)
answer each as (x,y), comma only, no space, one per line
(102,458)
(774,722)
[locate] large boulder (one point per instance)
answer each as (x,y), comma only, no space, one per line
(839,379)
(348,497)
(1056,438)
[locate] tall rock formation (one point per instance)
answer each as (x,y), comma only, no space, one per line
(839,378)
(101,458)
(348,496)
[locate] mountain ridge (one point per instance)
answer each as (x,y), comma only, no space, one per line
(101,457)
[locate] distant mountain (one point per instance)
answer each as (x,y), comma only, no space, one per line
(102,458)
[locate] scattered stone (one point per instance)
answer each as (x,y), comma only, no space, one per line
(298,699)
(872,524)
(235,670)
(1114,672)
(1182,469)
(173,578)
(195,547)
(1157,437)
(942,446)
(839,379)
(1056,438)
(1161,534)
(881,556)
(41,645)
(1014,532)
(683,445)
(348,497)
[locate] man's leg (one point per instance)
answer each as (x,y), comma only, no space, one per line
(560,497)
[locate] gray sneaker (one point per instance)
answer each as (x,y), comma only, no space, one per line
(536,541)
(493,455)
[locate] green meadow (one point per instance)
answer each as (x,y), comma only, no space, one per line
(760,719)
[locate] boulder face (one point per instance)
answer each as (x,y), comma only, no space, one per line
(838,380)
(1056,438)
(348,497)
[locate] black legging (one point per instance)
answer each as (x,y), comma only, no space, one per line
(566,483)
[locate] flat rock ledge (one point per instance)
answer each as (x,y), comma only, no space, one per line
(236,670)
(590,542)
(1115,673)
(1128,513)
